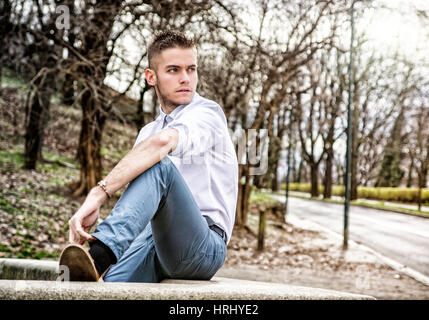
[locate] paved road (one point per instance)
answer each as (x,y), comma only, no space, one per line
(401,237)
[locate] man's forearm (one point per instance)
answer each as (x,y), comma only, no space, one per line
(146,154)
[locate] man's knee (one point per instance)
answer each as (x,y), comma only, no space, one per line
(165,162)
(160,168)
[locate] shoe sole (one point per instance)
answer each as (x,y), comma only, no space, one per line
(79,263)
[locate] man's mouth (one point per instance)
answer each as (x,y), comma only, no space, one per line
(184,90)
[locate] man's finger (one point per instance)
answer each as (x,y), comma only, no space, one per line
(72,236)
(83,234)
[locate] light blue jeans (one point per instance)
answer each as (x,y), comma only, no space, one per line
(177,243)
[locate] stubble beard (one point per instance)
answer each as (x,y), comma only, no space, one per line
(165,102)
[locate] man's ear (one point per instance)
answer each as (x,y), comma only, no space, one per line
(150,76)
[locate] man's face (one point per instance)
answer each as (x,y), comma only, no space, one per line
(174,76)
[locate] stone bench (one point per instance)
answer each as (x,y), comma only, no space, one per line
(23,279)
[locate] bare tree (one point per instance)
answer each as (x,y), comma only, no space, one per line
(419,144)
(372,106)
(40,58)
(279,61)
(5,31)
(318,116)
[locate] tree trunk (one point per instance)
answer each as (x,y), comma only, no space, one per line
(422,184)
(293,170)
(38,115)
(273,161)
(245,199)
(410,174)
(276,186)
(93,99)
(327,192)
(314,168)
(419,199)
(238,210)
(244,190)
(354,153)
(34,129)
(298,177)
(68,90)
(140,119)
(5,29)
(93,120)
(353,189)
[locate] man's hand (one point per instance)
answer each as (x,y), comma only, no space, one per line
(86,217)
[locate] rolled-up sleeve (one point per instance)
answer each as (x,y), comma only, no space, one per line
(198,132)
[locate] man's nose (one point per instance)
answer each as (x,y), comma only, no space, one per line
(184,77)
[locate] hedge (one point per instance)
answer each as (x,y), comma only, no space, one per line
(382,194)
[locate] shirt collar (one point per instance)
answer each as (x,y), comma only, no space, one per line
(175,112)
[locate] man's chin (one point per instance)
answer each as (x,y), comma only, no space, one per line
(185,99)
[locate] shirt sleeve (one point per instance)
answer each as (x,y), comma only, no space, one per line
(144,133)
(199,131)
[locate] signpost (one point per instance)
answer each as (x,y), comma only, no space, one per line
(349,136)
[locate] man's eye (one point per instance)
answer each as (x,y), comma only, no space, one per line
(172,70)
(192,69)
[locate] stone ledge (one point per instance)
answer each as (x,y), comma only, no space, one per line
(216,289)
(28,269)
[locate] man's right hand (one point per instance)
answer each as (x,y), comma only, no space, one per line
(86,217)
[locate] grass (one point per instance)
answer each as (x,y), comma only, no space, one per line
(261,197)
(11,79)
(53,157)
(7,206)
(14,157)
(393,194)
(387,207)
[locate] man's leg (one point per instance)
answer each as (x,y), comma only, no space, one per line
(139,263)
(184,245)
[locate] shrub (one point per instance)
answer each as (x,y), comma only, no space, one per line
(382,194)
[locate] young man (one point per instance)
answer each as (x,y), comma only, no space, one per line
(176,216)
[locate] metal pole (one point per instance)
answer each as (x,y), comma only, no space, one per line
(349,136)
(288,162)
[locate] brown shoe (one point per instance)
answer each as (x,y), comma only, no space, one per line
(80,263)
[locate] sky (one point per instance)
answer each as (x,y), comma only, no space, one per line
(397,26)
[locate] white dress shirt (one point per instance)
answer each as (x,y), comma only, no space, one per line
(204,155)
